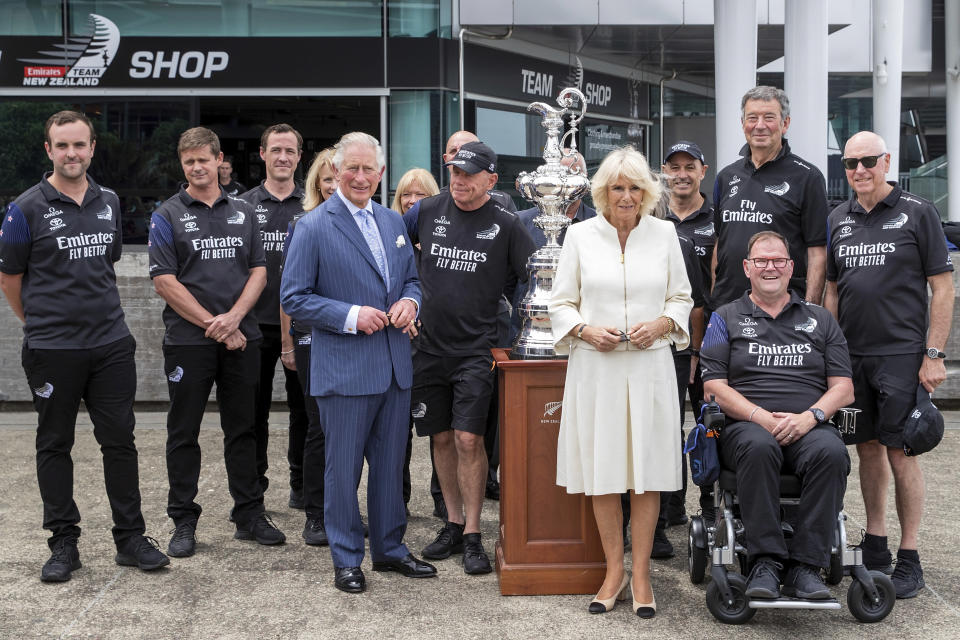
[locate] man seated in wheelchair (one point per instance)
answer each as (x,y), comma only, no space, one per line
(779,368)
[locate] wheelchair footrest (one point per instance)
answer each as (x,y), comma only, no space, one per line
(793,603)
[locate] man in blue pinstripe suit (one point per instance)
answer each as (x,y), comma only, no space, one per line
(350,276)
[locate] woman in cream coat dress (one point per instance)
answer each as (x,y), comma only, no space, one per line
(620,298)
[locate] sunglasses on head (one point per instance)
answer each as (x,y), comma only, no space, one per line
(868,162)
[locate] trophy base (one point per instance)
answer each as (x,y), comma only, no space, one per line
(534,352)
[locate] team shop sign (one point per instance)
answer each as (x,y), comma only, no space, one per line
(100,57)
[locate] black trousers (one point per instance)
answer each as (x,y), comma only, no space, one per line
(314,449)
(270,348)
(191,373)
(821,461)
(105,378)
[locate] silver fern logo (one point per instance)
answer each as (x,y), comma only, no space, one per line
(778,189)
(551,408)
(419,411)
(176,375)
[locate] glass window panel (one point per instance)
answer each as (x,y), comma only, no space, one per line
(411,127)
(315,18)
(31,18)
(414,18)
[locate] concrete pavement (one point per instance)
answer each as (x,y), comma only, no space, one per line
(233,589)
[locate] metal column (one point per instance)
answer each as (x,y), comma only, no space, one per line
(805,78)
(887,71)
(735,65)
(952,57)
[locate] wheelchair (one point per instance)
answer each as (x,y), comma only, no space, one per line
(870,597)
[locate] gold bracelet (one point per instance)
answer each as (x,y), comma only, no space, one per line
(671,327)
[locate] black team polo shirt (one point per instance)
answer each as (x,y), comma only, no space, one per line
(66,253)
(780,364)
(880,262)
(465,260)
(785,195)
(211,251)
(273,217)
(699,227)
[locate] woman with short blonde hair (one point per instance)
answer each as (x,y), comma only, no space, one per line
(416,184)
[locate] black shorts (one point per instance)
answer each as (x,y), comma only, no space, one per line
(451,392)
(886,391)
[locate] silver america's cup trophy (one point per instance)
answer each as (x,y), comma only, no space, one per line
(552,187)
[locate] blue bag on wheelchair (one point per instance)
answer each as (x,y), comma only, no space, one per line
(701,447)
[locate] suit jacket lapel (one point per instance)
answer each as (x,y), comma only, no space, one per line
(348,226)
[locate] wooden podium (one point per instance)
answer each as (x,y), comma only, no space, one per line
(548,540)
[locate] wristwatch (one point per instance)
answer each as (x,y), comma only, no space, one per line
(818,414)
(934,353)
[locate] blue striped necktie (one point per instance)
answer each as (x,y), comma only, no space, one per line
(369,228)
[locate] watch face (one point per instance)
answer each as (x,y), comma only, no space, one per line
(933,352)
(819,415)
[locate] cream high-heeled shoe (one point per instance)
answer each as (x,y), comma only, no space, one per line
(644,609)
(603,606)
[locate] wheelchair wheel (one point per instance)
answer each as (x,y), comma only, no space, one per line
(835,572)
(865,610)
(696,550)
(737,613)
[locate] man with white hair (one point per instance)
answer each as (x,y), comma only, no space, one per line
(885,246)
(350,276)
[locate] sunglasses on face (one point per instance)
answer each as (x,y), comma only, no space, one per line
(868,162)
(761,263)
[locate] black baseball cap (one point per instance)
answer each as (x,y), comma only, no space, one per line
(923,429)
(474,157)
(685,146)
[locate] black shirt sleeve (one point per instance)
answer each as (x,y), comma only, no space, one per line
(411,219)
(691,263)
(715,350)
(836,357)
(521,246)
(162,249)
(814,212)
(15,241)
(933,244)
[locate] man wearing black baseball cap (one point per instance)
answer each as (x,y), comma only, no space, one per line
(470,246)
(684,165)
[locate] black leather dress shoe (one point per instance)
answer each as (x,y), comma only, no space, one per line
(409,566)
(350,579)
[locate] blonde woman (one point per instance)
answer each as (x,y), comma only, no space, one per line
(416,184)
(620,299)
(321,182)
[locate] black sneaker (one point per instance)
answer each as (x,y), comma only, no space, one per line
(142,552)
(764,580)
(804,581)
(677,519)
(296,499)
(262,530)
(64,559)
(907,577)
(314,533)
(475,560)
(449,541)
(662,548)
(873,559)
(183,542)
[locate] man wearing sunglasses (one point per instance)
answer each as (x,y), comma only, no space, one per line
(885,246)
(769,189)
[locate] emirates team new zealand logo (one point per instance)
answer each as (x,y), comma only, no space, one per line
(80,61)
